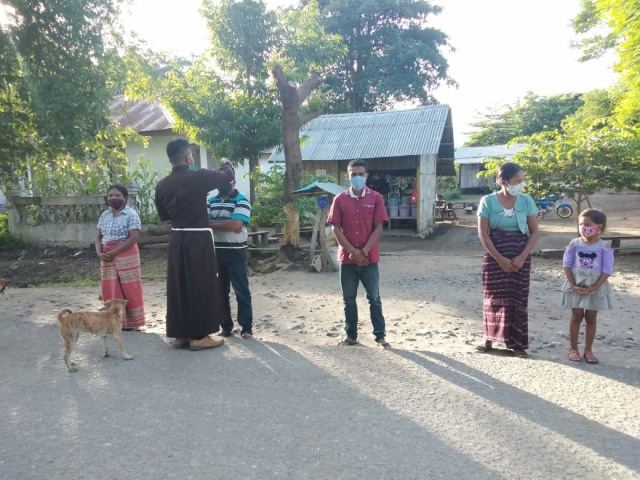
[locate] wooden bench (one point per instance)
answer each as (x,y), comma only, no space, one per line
(262,236)
(616,240)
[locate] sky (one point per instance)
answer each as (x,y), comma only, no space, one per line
(504,49)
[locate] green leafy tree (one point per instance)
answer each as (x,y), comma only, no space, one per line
(243,34)
(53,89)
(621,19)
(307,50)
(231,110)
(594,157)
(392,53)
(268,208)
(597,147)
(533,114)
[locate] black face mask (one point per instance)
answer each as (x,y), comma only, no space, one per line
(116,203)
(225,189)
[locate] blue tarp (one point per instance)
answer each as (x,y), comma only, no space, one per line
(320,186)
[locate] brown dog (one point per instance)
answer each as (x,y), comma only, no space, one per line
(3,284)
(98,323)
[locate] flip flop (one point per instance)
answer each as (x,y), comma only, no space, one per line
(383,342)
(574,355)
(485,347)
(520,353)
(589,357)
(348,341)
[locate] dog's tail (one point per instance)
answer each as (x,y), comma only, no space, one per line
(63,313)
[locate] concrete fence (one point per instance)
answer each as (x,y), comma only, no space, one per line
(59,220)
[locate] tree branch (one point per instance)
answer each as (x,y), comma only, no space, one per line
(307,87)
(307,117)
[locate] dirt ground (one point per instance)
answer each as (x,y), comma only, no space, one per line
(430,290)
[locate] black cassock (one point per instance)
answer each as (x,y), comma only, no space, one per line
(194,295)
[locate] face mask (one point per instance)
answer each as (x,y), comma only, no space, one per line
(588,231)
(358,182)
(116,203)
(515,190)
(225,189)
(192,167)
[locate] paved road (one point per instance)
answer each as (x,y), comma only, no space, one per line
(259,410)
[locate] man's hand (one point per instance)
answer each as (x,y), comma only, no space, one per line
(359,257)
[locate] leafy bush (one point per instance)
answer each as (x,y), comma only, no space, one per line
(268,208)
(448,187)
(146,179)
(72,177)
(6,239)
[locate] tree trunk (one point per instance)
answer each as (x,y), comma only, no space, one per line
(253,167)
(292,96)
(292,226)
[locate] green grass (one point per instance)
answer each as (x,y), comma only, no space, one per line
(473,197)
(154,278)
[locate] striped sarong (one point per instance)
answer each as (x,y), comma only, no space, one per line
(121,278)
(506,295)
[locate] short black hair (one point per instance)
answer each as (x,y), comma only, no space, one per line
(176,148)
(358,162)
(121,188)
(507,170)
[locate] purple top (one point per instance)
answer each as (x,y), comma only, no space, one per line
(596,258)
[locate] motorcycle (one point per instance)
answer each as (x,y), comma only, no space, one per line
(549,203)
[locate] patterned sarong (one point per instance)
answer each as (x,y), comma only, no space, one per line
(506,295)
(121,278)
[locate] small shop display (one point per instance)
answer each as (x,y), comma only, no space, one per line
(400,196)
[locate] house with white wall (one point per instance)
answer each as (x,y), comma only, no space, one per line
(155,122)
(471,162)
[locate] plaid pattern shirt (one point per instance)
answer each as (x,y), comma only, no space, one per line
(116,229)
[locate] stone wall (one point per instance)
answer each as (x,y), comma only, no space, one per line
(57,221)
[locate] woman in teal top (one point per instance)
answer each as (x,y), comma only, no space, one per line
(508,231)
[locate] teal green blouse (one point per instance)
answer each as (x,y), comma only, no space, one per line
(491,208)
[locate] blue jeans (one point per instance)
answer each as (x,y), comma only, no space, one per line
(235,273)
(350,276)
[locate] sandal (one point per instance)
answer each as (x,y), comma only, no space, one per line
(246,335)
(574,355)
(485,347)
(383,342)
(589,357)
(520,353)
(349,341)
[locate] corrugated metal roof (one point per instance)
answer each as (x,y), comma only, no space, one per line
(467,155)
(396,133)
(142,116)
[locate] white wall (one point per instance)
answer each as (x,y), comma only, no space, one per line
(427,181)
(156,151)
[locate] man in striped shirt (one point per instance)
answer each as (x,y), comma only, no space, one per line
(229,215)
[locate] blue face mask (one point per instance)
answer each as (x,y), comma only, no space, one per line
(358,182)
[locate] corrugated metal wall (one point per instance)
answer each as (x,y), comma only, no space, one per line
(469,178)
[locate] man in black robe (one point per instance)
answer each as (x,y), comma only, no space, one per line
(194,294)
